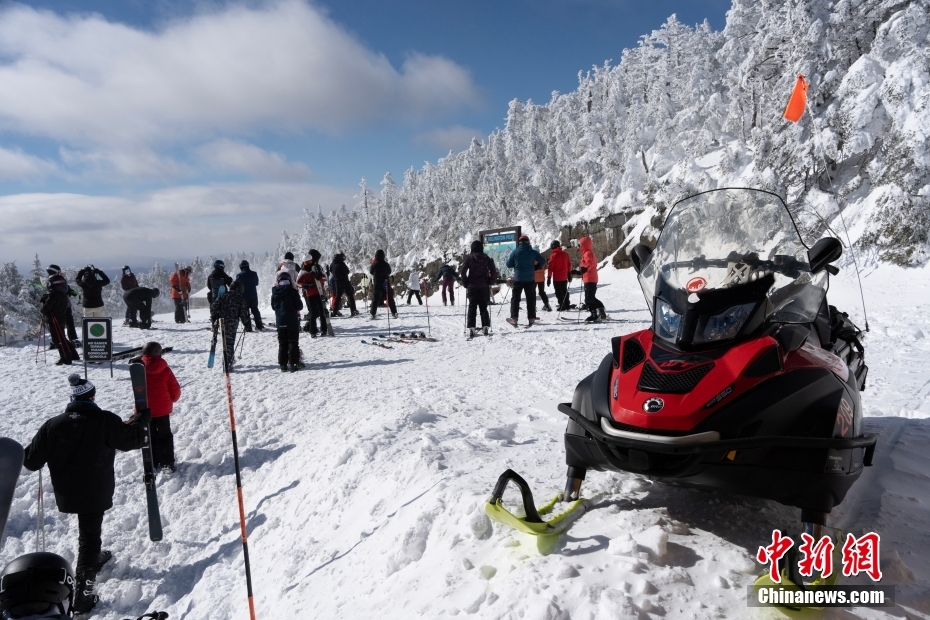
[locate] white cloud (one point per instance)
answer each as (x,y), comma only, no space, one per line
(282,66)
(231,156)
(179,221)
(140,162)
(455,138)
(14,164)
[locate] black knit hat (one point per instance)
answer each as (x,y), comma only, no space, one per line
(477,246)
(288,256)
(81,389)
(152,348)
(244,264)
(314,254)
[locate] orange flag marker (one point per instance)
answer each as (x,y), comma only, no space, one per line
(798,101)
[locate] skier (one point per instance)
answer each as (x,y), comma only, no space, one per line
(218,282)
(413,287)
(331,285)
(447,276)
(478,273)
(128,282)
(285,301)
(588,272)
(139,300)
(37,585)
(558,274)
(92,280)
(380,272)
(162,390)
(311,282)
(180,282)
(524,261)
(343,284)
(249,281)
(79,447)
(539,277)
(290,267)
(55,308)
(232,308)
(68,325)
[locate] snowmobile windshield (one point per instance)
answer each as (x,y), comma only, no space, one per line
(727,244)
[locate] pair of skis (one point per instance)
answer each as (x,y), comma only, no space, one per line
(375,343)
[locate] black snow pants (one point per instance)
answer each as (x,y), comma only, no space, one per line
(380,291)
(90,528)
(288,347)
(315,311)
(180,315)
(592,303)
(527,288)
(478,299)
(541,286)
(162,441)
(561,293)
(410,295)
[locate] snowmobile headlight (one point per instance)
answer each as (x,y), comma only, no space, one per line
(723,326)
(668,322)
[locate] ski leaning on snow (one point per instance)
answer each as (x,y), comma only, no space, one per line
(377,344)
(212,358)
(11,464)
(139,394)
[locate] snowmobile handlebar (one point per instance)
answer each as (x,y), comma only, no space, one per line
(529,506)
(722,445)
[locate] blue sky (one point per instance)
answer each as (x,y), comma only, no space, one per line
(168,129)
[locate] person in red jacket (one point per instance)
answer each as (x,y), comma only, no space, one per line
(163,391)
(588,272)
(559,266)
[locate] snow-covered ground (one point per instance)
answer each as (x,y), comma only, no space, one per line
(365,476)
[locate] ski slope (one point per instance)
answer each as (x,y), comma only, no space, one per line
(365,476)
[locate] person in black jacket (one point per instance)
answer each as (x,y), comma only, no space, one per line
(447,276)
(249,281)
(343,285)
(380,272)
(79,447)
(218,282)
(231,308)
(139,300)
(55,310)
(478,273)
(127,282)
(92,280)
(286,303)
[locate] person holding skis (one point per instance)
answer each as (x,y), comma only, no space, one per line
(218,282)
(68,325)
(588,272)
(55,308)
(180,282)
(380,271)
(413,287)
(311,283)
(285,301)
(478,274)
(558,274)
(524,261)
(79,447)
(139,300)
(162,390)
(231,308)
(447,276)
(343,286)
(249,280)
(539,277)
(128,282)
(92,280)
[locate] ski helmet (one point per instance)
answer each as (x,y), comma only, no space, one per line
(288,256)
(218,264)
(155,292)
(244,264)
(152,348)
(53,270)
(555,244)
(35,583)
(237,287)
(126,269)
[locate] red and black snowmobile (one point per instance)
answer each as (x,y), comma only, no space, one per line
(747,381)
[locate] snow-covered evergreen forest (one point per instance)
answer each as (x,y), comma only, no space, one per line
(688,109)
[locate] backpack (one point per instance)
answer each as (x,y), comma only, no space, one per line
(219,287)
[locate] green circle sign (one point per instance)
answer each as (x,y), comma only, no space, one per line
(97,330)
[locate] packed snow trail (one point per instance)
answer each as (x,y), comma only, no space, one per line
(365,475)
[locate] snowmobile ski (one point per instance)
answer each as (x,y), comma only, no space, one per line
(140,395)
(533,523)
(212,358)
(11,464)
(377,344)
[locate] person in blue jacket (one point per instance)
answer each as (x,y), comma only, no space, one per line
(286,303)
(524,261)
(249,281)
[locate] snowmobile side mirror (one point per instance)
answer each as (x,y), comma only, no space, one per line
(640,256)
(823,253)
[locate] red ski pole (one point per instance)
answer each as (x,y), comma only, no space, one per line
(40,339)
(232,429)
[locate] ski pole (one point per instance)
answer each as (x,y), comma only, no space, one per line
(232,430)
(241,344)
(428,328)
(40,338)
(506,295)
(40,516)
(387,298)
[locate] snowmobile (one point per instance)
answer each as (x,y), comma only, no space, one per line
(747,381)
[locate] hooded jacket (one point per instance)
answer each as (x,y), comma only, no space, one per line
(446,272)
(341,271)
(559,265)
(524,261)
(179,289)
(380,270)
(478,271)
(588,260)
(162,388)
(311,279)
(286,303)
(92,282)
(214,280)
(80,446)
(249,281)
(413,281)
(55,302)
(128,281)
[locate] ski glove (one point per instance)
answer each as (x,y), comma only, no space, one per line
(141,417)
(548,281)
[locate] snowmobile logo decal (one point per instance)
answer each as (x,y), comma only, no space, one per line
(675,365)
(716,399)
(844,419)
(653,405)
(696,285)
(616,387)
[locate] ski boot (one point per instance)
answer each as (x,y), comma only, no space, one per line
(283,367)
(547,308)
(512,321)
(485,330)
(393,315)
(602,314)
(471,333)
(84,597)
(105,556)
(593,318)
(533,321)
(298,366)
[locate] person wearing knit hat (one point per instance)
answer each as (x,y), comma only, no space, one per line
(79,446)
(478,274)
(249,281)
(286,303)
(162,391)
